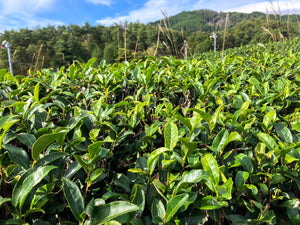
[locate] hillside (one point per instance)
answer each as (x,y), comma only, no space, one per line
(209,21)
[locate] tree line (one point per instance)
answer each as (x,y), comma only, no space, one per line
(53,47)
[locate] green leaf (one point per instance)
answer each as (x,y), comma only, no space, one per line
(277,178)
(268,141)
(174,205)
(295,123)
(18,155)
(260,151)
(185,121)
(210,165)
(193,177)
(26,139)
(137,170)
(73,197)
(157,211)
(205,116)
(37,92)
(246,162)
(95,174)
(224,190)
(234,136)
(219,142)
(149,73)
(240,178)
(138,198)
(72,70)
(294,216)
(170,135)
(43,142)
(3,200)
(107,212)
(122,181)
(284,133)
(34,210)
(29,114)
(6,123)
(82,163)
(240,220)
(187,147)
(2,73)
(73,143)
(210,203)
(51,157)
(27,182)
(4,120)
(268,118)
(167,163)
(216,115)
(152,160)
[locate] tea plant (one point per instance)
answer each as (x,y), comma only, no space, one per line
(203,141)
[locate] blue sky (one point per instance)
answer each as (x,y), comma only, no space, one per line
(15,14)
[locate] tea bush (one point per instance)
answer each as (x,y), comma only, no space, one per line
(209,140)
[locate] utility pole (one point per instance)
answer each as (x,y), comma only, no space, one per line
(214,36)
(6,44)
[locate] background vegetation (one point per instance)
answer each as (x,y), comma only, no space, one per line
(53,47)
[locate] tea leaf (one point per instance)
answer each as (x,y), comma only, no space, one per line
(174,204)
(170,135)
(43,142)
(73,197)
(210,165)
(107,212)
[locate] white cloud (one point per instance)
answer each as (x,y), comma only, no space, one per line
(284,6)
(151,11)
(101,2)
(24,13)
(27,6)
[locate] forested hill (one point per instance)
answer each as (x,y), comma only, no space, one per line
(208,20)
(34,49)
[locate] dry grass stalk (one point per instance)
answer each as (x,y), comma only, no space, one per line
(125,42)
(298,22)
(38,58)
(158,39)
(224,37)
(136,46)
(273,9)
(43,61)
(280,14)
(273,36)
(288,23)
(169,34)
(118,39)
(31,61)
(267,16)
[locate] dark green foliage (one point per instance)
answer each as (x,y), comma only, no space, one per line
(208,140)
